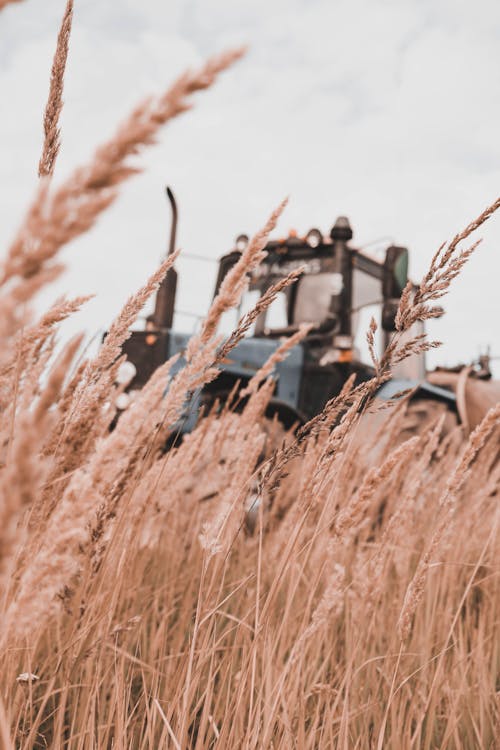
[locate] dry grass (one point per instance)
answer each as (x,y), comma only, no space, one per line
(52,139)
(137,610)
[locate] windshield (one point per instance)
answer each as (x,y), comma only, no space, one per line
(366,303)
(314,297)
(275,316)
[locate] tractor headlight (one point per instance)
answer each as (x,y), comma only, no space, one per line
(241,242)
(343,342)
(122,401)
(314,238)
(126,372)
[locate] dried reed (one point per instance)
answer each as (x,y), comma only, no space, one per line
(55,219)
(52,133)
(275,358)
(237,280)
(139,609)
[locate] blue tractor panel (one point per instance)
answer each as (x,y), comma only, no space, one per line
(242,364)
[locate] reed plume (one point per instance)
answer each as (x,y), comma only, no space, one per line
(447,504)
(26,468)
(445,266)
(355,510)
(85,400)
(119,330)
(140,604)
(56,218)
(275,358)
(52,132)
(249,318)
(237,279)
(38,332)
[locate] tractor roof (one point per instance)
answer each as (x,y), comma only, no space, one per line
(312,245)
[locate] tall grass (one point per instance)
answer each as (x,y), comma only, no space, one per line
(139,610)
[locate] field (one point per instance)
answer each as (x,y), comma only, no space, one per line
(356,605)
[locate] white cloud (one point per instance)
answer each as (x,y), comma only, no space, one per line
(386,111)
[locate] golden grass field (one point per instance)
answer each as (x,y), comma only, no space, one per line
(139,611)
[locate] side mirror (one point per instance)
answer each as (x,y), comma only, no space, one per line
(394,280)
(395,275)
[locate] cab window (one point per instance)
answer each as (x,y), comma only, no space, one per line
(314,296)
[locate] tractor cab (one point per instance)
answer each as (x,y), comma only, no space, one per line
(337,285)
(338,282)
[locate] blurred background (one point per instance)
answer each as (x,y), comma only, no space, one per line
(386,111)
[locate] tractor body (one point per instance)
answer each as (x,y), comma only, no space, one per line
(337,283)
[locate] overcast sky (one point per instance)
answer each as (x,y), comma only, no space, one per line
(384,110)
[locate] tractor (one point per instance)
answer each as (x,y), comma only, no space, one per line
(338,282)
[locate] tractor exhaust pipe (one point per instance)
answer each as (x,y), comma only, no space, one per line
(173,228)
(163,316)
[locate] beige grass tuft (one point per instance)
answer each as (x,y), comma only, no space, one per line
(52,133)
(139,607)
